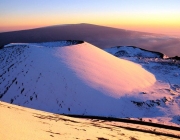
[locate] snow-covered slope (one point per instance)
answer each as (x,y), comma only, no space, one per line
(82,79)
(23,123)
(166,92)
(132,51)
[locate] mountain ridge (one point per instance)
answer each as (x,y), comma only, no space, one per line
(100,36)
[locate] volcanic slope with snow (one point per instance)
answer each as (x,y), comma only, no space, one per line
(24,123)
(82,79)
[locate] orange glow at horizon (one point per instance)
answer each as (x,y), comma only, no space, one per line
(146,16)
(159,29)
(154,24)
(168,25)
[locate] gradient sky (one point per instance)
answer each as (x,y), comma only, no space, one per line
(159,16)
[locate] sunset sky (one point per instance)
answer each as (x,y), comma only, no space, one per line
(159,16)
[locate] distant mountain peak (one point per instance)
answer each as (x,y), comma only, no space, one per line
(98,35)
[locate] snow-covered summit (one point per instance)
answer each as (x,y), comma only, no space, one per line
(82,79)
(92,66)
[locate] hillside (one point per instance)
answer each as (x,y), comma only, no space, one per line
(82,79)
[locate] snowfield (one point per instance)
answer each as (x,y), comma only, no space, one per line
(23,123)
(82,79)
